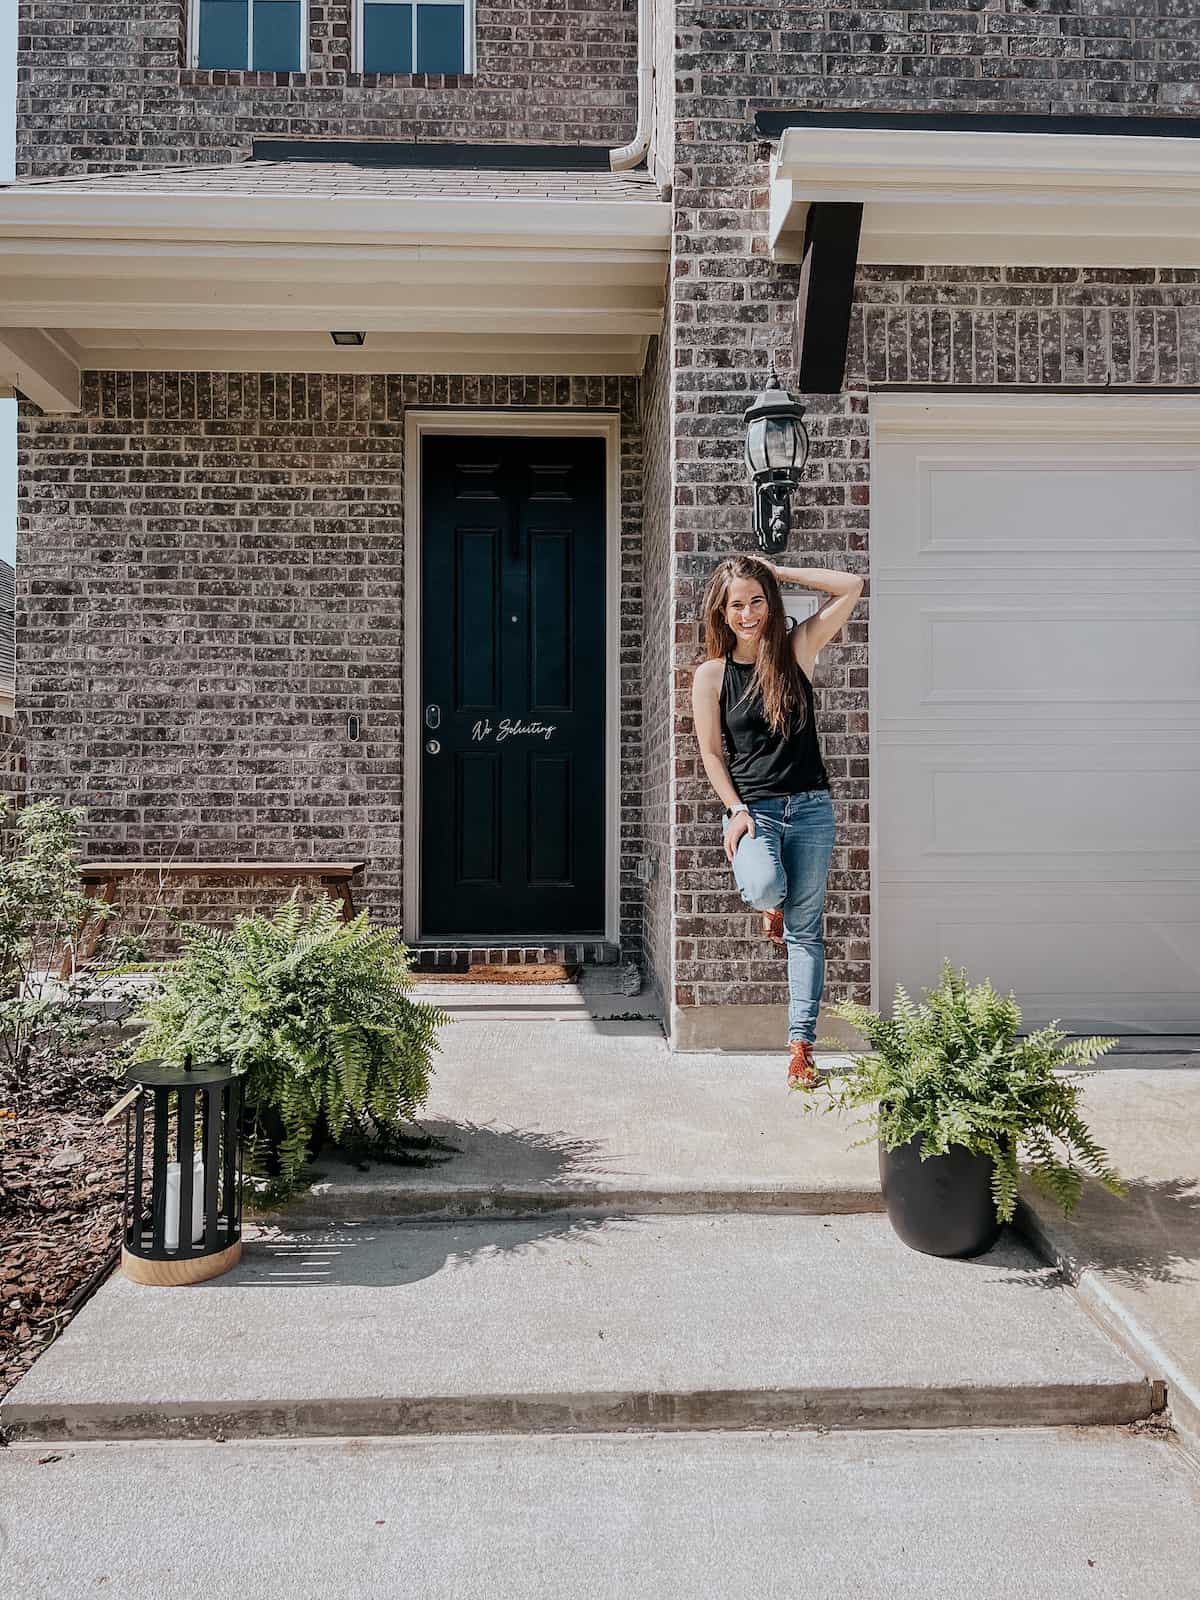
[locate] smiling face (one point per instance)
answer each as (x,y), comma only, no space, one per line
(746,611)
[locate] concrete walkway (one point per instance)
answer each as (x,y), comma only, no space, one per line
(961,1516)
(727,1321)
(655,1247)
(552,1104)
(1136,1262)
(556,1102)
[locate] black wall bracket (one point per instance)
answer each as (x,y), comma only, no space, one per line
(822,321)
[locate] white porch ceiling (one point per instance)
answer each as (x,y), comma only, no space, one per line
(96,274)
(983,199)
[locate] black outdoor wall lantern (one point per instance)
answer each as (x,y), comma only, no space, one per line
(183,1172)
(776,450)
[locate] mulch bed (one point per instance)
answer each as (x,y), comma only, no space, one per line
(61,1182)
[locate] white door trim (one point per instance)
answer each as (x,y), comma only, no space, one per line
(1152,417)
(521,424)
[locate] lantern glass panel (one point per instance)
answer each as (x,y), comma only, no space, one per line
(781,444)
(756,452)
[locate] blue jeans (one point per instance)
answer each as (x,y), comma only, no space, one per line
(786,864)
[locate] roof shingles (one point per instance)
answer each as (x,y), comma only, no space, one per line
(344,178)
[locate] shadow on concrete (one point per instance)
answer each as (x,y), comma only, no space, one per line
(383,1255)
(1009,1259)
(1153,1236)
(518,1157)
(480,1155)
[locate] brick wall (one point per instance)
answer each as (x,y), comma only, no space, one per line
(210,578)
(657,668)
(731,316)
(102,84)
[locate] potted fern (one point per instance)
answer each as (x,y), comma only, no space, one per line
(956,1096)
(317,1016)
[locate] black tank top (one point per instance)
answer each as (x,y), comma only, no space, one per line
(762,763)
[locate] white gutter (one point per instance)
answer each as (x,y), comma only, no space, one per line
(629,155)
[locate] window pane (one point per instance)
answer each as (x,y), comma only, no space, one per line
(387,38)
(277,35)
(222,33)
(440,39)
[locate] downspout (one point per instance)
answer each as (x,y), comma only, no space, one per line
(629,155)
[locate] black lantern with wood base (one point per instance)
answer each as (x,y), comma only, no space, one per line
(776,451)
(183,1173)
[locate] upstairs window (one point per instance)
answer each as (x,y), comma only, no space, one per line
(425,36)
(254,35)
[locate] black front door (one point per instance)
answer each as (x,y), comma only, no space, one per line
(512,698)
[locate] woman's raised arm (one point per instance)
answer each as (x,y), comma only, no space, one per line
(815,632)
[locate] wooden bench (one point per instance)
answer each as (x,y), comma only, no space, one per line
(100,881)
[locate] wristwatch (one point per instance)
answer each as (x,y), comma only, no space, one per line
(731,812)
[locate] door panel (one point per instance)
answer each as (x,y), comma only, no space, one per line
(513,688)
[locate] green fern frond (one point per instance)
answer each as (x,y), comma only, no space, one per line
(956,1070)
(314,1013)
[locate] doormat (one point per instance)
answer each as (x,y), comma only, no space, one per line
(540,972)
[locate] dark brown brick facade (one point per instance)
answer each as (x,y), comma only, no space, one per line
(990,326)
(210,580)
(203,555)
(658,755)
(105,85)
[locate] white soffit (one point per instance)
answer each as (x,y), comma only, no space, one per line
(145,281)
(994,199)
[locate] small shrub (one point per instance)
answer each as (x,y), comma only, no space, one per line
(42,907)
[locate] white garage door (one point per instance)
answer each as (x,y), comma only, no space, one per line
(1035,701)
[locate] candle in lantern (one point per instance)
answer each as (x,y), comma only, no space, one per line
(171,1231)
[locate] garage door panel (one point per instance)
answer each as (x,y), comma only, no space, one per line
(1041,656)
(1023,505)
(1003,656)
(1064,813)
(1035,703)
(951,817)
(1101,960)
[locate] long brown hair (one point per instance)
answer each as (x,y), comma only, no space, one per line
(776,673)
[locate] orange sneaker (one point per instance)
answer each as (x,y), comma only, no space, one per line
(802,1070)
(773,927)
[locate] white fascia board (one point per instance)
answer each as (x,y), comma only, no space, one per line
(1021,199)
(489,220)
(589,356)
(40,368)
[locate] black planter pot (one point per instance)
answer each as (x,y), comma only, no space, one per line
(943,1206)
(272,1132)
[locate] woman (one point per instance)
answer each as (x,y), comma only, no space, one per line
(753,706)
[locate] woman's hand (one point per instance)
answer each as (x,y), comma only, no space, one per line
(741,824)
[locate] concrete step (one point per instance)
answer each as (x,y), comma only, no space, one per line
(576,1323)
(961,1515)
(602,1116)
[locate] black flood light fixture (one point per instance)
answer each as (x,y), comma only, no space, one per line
(348,338)
(776,450)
